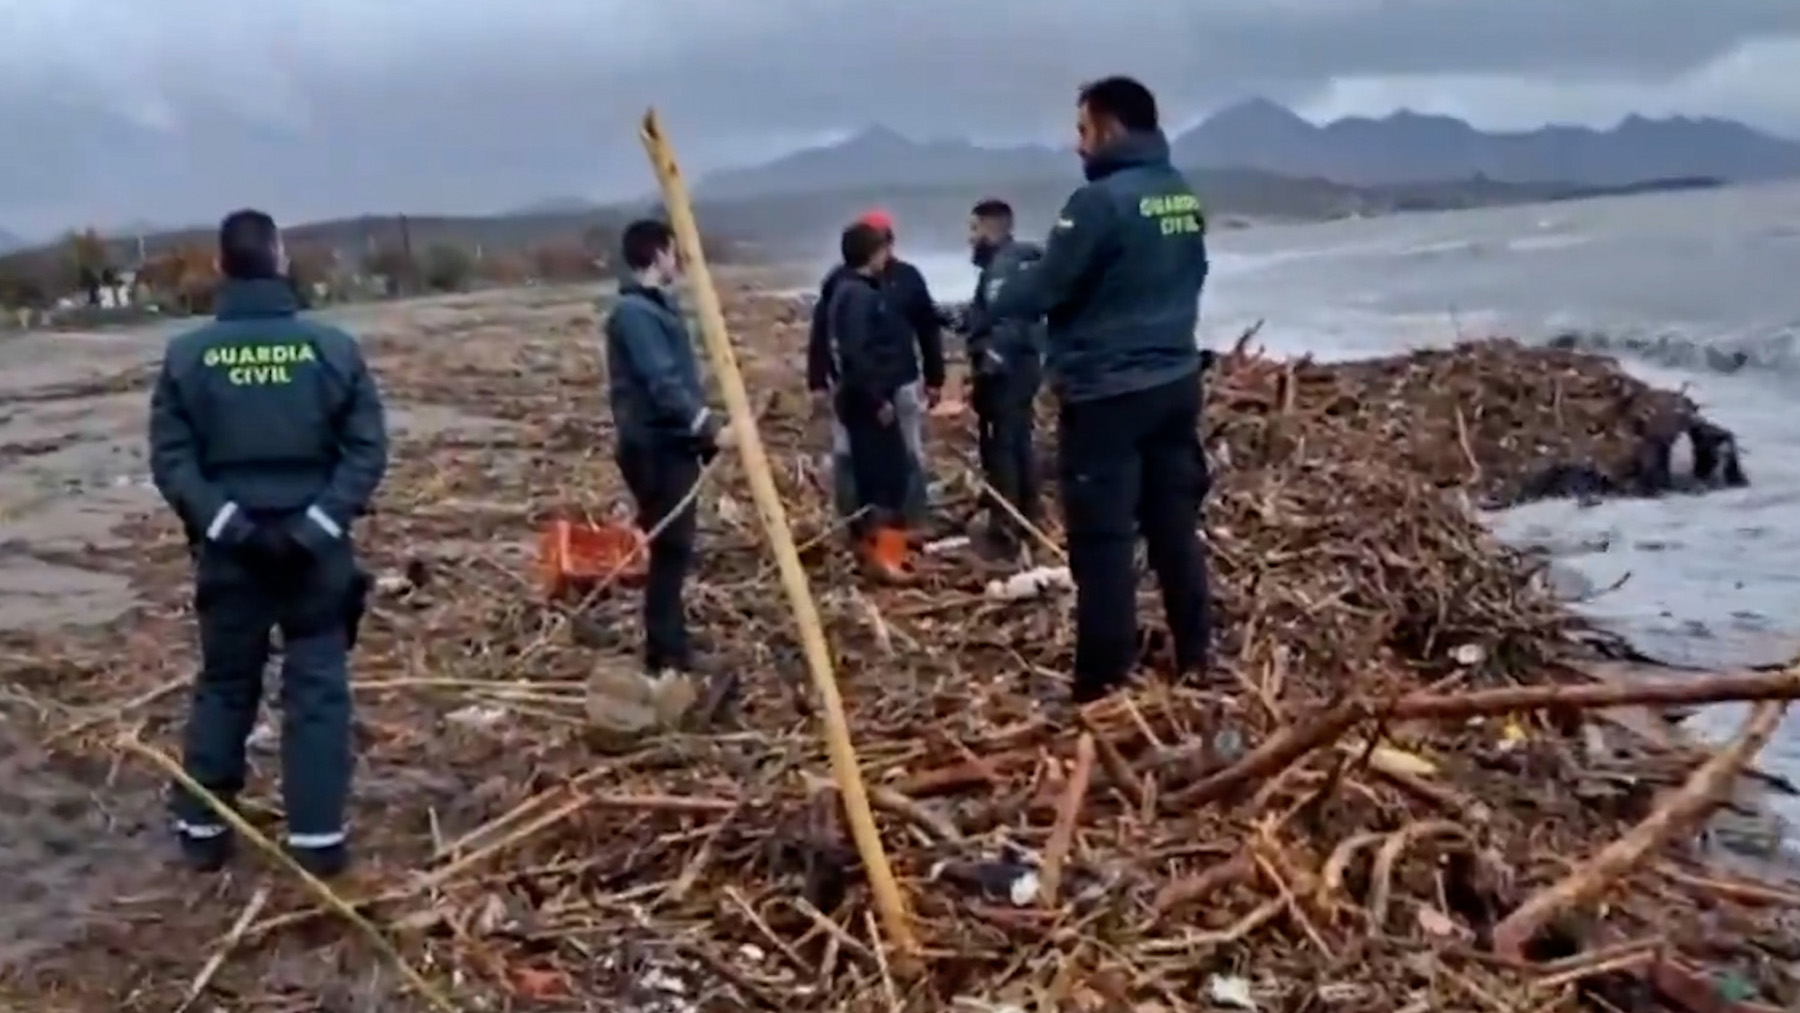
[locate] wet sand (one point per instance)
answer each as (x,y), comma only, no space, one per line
(71,467)
(85,847)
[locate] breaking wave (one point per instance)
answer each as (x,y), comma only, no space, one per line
(1772,351)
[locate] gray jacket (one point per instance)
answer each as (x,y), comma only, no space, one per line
(657,395)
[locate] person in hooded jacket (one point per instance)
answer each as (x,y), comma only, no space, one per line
(1119,285)
(871,348)
(910,297)
(1006,366)
(666,432)
(268,439)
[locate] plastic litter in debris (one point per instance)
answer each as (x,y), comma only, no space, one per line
(1033,583)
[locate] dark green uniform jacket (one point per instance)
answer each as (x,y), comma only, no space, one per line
(262,414)
(1120,278)
(999,344)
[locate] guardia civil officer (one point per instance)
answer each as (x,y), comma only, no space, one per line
(267,438)
(1006,362)
(1120,283)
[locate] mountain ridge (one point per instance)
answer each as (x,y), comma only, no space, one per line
(1402,147)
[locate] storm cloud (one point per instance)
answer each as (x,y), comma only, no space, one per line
(120,110)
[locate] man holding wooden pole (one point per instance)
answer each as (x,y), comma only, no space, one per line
(845,768)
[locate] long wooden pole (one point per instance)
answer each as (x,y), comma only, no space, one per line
(845,767)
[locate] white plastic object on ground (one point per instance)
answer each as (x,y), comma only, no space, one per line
(1032,583)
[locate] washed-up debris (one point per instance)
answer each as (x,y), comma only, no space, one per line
(1513,423)
(1380,799)
(1033,583)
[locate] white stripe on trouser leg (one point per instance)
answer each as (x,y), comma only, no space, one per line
(311,841)
(318,516)
(200,831)
(220,519)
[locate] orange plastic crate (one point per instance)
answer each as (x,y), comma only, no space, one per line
(575,557)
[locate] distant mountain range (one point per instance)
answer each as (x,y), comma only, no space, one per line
(1253,161)
(1402,148)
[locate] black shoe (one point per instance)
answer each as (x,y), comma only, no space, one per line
(206,854)
(322,863)
(997,544)
(1084,692)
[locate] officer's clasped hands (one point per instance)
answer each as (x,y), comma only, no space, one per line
(273,546)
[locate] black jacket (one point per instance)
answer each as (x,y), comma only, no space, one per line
(871,343)
(1120,278)
(995,344)
(654,374)
(268,415)
(910,297)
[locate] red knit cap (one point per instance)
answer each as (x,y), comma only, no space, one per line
(879,219)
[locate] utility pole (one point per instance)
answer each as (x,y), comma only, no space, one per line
(406,253)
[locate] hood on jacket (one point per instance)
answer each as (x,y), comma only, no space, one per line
(1147,147)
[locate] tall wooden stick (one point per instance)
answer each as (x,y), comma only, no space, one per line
(845,767)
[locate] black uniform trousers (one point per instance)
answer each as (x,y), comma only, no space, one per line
(660,476)
(879,458)
(1133,465)
(238,604)
(1004,403)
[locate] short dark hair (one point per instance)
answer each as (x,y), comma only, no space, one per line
(993,209)
(1124,99)
(248,244)
(860,244)
(644,240)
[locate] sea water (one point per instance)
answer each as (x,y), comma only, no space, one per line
(1699,290)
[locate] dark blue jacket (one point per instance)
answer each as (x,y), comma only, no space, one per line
(657,395)
(994,344)
(909,297)
(872,344)
(263,415)
(1120,278)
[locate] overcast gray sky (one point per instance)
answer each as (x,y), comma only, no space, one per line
(122,110)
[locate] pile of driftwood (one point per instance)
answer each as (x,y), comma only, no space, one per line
(1532,423)
(1390,794)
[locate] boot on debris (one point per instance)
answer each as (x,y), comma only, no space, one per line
(624,705)
(887,554)
(998,543)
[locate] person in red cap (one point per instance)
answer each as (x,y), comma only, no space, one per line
(872,352)
(907,294)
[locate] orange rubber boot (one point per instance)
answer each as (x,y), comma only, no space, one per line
(889,555)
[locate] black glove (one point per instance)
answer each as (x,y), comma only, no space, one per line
(272,548)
